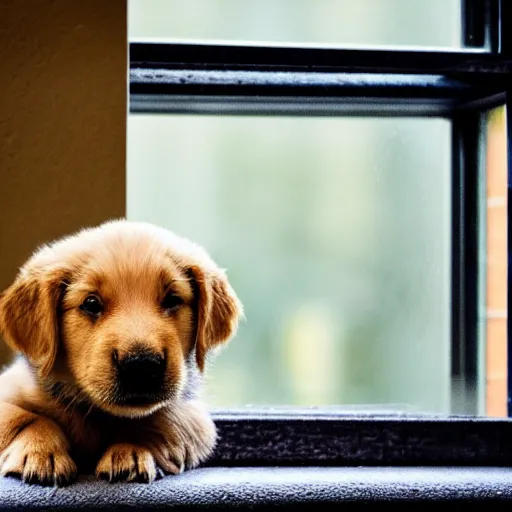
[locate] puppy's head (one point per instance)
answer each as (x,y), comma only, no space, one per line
(119,312)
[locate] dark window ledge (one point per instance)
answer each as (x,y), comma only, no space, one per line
(291,487)
(274,437)
(291,459)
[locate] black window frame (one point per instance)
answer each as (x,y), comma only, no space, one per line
(459,85)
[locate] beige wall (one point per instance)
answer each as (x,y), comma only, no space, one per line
(63,106)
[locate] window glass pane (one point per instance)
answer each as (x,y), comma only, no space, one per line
(435,23)
(336,235)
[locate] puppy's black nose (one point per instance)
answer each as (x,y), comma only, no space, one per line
(141,373)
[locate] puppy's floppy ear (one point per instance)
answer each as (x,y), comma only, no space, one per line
(29,316)
(218,310)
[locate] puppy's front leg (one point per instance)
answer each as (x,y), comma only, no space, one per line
(173,439)
(33,448)
(125,461)
(182,436)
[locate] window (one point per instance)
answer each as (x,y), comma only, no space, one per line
(353,181)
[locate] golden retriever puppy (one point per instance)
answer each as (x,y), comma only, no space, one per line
(113,326)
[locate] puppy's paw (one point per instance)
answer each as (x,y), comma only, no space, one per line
(126,462)
(188,441)
(40,466)
(38,459)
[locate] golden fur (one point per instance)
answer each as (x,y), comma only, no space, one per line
(60,403)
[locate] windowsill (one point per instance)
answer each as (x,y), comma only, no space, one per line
(251,487)
(272,457)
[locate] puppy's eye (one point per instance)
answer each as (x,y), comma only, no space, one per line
(92,306)
(171,302)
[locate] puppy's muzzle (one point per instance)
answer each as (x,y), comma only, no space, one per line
(140,376)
